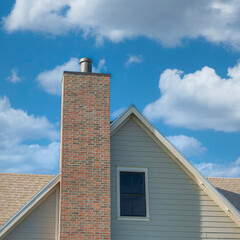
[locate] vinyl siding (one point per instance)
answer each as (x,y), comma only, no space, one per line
(39,224)
(178,208)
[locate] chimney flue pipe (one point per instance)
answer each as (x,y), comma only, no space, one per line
(86,64)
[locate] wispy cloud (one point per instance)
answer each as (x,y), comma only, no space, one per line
(199,100)
(101,66)
(117,112)
(188,146)
(210,169)
(14,78)
(133,59)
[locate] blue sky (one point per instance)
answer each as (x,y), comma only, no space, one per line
(176,61)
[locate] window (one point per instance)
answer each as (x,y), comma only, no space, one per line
(132,193)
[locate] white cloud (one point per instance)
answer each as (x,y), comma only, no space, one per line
(231,169)
(166,21)
(17,125)
(117,112)
(14,76)
(16,128)
(199,100)
(188,146)
(51,80)
(21,158)
(134,59)
(100,67)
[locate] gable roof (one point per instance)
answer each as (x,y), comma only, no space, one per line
(16,190)
(202,182)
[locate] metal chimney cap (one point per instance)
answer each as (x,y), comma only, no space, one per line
(85,60)
(86,64)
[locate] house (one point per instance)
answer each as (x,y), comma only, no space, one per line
(122,180)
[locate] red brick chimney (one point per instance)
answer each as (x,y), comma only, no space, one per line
(85,155)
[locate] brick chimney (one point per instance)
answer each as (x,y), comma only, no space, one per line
(85,155)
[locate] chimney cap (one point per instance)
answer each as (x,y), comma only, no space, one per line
(86,64)
(85,60)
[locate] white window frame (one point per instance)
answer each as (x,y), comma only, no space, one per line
(132,169)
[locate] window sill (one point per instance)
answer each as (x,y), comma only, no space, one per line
(134,218)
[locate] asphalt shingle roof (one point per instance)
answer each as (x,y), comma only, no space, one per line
(229,187)
(16,190)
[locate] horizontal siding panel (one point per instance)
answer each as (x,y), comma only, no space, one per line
(181,221)
(135,158)
(182,212)
(194,218)
(134,133)
(165,228)
(185,207)
(166,234)
(145,154)
(194,203)
(176,196)
(39,224)
(154,185)
(121,237)
(30,235)
(151,164)
(223,235)
(155,162)
(146,144)
(157,172)
(161,180)
(129,152)
(130,148)
(37,229)
(130,138)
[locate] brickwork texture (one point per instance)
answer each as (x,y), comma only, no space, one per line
(85,157)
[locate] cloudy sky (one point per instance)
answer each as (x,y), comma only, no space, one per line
(176,61)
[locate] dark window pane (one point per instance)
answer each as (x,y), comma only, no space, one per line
(126,205)
(132,194)
(138,183)
(139,206)
(125,182)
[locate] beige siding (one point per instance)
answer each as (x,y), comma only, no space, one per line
(40,224)
(178,208)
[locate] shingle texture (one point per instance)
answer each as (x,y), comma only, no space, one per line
(16,190)
(229,187)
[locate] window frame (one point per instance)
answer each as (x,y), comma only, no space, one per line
(132,169)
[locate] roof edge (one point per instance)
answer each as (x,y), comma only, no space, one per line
(28,206)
